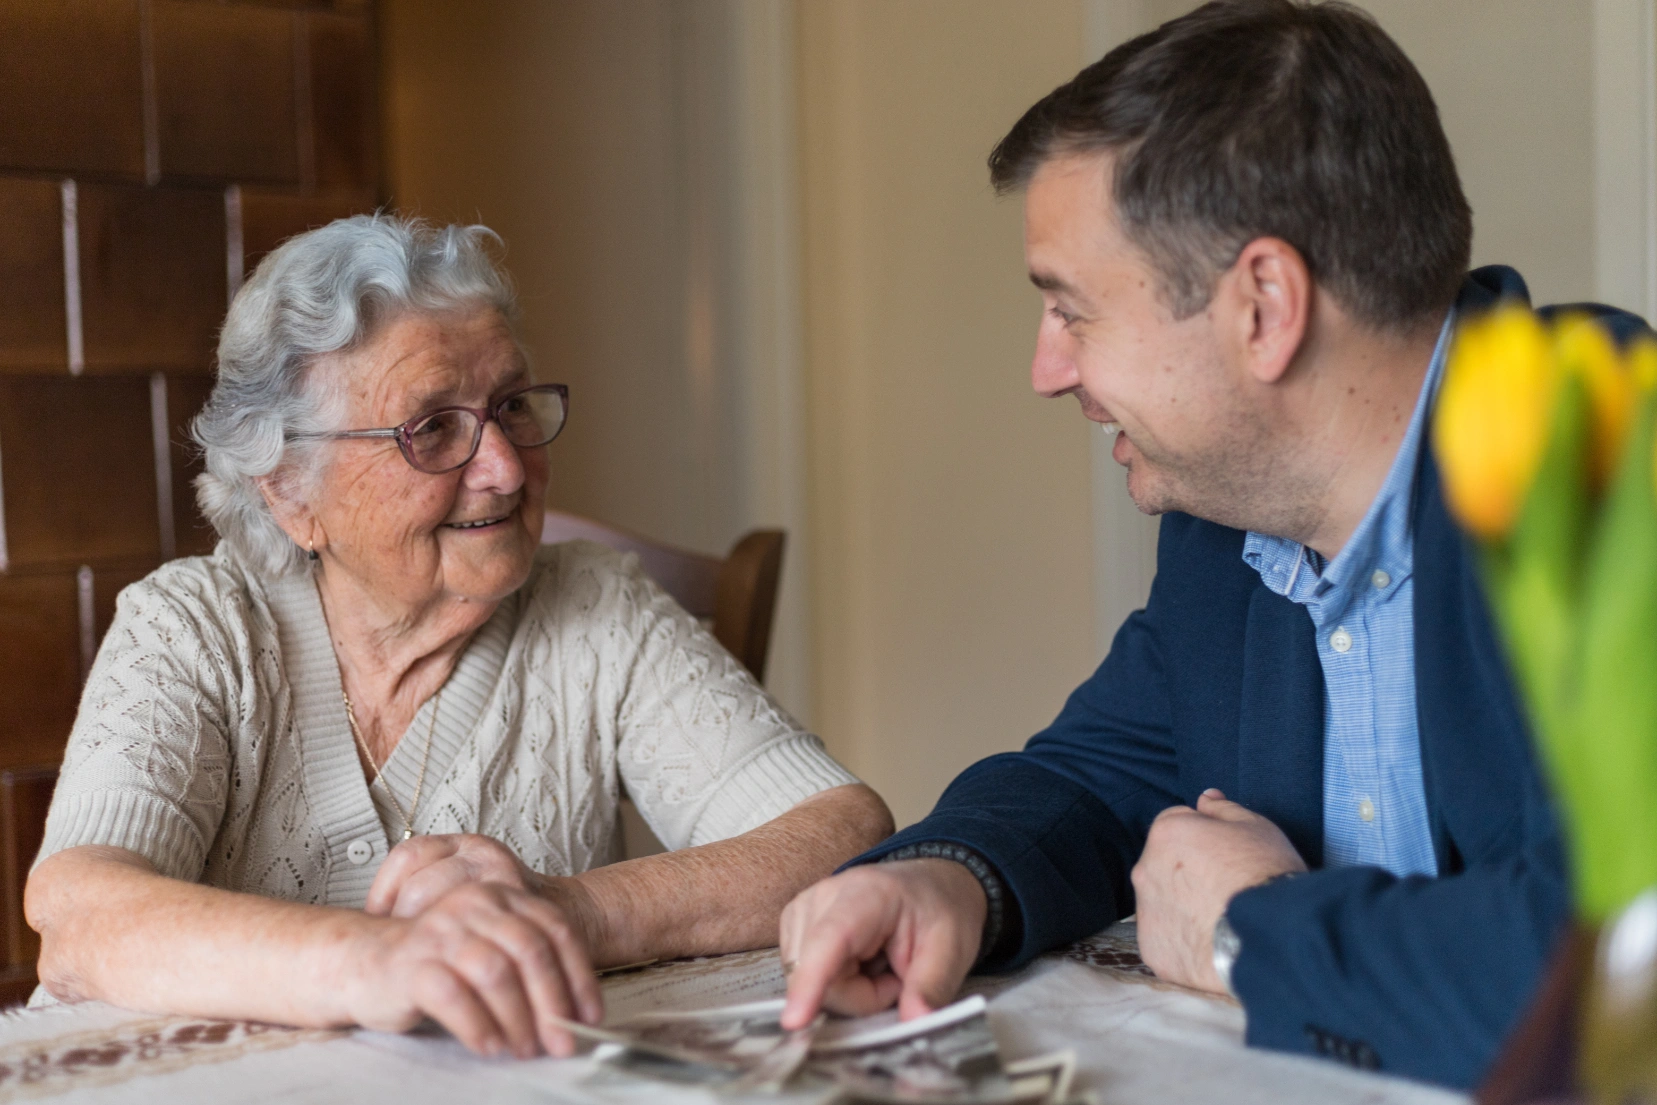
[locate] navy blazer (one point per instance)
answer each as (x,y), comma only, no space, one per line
(1216,683)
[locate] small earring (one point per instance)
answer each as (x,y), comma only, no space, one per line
(313,551)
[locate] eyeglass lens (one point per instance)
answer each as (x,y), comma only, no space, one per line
(448,438)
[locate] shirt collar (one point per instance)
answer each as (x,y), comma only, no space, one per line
(1384,540)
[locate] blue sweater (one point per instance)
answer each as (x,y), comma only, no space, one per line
(1216,683)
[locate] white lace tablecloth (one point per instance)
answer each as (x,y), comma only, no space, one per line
(1136,1040)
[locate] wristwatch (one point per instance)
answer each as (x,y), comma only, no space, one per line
(1228,945)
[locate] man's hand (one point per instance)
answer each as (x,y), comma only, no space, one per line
(925,915)
(1195,861)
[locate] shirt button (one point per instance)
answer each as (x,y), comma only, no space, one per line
(1340,640)
(1380,579)
(1366,809)
(359,852)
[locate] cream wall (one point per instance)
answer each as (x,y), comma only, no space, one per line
(1514,84)
(950,532)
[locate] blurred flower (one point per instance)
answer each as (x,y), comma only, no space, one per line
(1642,362)
(1494,412)
(1584,347)
(1547,438)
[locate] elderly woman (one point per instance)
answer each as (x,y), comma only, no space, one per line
(361,765)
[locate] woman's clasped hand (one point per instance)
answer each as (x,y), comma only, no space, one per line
(493,952)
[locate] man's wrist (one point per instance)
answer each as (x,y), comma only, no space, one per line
(1227,944)
(995,891)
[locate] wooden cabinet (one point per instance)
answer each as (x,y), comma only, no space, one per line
(152,275)
(25,796)
(33,329)
(72,96)
(344,137)
(77,471)
(225,91)
(150,152)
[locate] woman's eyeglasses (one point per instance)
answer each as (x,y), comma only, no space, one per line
(448,438)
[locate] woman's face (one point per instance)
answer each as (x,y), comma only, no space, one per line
(413,540)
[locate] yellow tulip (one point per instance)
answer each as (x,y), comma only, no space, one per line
(1642,363)
(1642,368)
(1584,347)
(1495,410)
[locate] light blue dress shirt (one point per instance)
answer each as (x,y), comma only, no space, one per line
(1362,607)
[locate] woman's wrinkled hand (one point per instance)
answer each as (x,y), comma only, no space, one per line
(494,964)
(423,869)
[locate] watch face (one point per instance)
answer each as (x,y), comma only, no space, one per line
(1226,940)
(1226,946)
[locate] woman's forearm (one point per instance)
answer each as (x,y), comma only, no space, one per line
(727,896)
(114,930)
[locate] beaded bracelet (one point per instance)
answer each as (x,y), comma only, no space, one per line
(994,890)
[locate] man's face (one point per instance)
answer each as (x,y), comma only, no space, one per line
(1192,436)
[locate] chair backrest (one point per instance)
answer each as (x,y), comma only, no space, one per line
(738,594)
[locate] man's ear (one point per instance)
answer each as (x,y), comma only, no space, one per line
(1267,294)
(292,514)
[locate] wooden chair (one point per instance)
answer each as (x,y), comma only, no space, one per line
(738,594)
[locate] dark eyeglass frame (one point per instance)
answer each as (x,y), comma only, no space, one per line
(404,433)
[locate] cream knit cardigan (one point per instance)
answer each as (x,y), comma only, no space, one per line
(212,739)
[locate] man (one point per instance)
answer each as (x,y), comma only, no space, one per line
(1302,764)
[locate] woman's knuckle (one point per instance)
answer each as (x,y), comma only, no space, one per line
(489,966)
(526,941)
(431,983)
(472,895)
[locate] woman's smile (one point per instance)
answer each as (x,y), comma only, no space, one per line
(481,523)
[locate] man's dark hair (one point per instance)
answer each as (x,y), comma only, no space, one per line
(1268,118)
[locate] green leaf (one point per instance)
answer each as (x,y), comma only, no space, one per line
(1609,776)
(1535,580)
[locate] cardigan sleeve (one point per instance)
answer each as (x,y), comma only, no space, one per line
(147,762)
(704,751)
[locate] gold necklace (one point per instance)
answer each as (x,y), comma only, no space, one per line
(379,776)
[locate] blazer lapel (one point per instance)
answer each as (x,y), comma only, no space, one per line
(1280,731)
